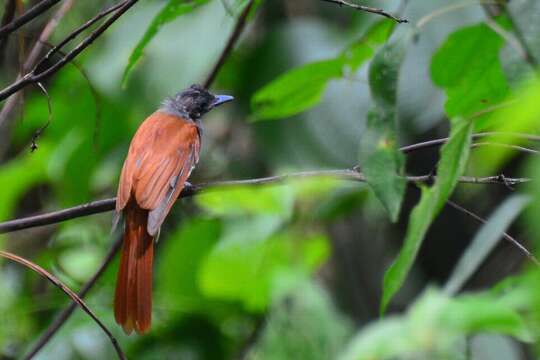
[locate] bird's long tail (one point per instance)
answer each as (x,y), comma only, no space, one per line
(133,297)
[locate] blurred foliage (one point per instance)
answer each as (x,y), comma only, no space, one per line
(291,269)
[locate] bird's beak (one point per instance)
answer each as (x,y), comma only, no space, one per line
(222,99)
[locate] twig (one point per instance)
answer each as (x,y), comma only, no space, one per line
(509,146)
(235,35)
(516,38)
(31,14)
(66,313)
(368,9)
(76,299)
(33,77)
(105,205)
(38,132)
(30,62)
(506,236)
(437,142)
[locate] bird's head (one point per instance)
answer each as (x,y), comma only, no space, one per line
(193,102)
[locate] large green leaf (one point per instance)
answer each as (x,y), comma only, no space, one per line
(484,242)
(434,325)
(172,10)
(380,159)
(303,87)
(467,66)
(454,156)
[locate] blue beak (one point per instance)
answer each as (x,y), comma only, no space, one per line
(222,99)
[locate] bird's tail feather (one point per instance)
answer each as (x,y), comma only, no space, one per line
(133,297)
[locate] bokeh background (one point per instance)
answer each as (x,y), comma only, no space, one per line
(291,271)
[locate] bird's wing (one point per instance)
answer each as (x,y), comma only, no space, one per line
(161,156)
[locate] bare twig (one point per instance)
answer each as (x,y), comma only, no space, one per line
(438,142)
(235,35)
(31,14)
(367,9)
(66,313)
(506,236)
(38,132)
(105,205)
(515,38)
(30,62)
(76,299)
(35,76)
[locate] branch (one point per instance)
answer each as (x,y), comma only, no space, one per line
(31,61)
(235,35)
(76,299)
(368,9)
(32,77)
(437,142)
(516,38)
(506,236)
(28,16)
(105,205)
(66,313)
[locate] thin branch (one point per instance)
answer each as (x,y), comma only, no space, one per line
(516,38)
(235,35)
(30,15)
(76,299)
(33,77)
(66,313)
(38,132)
(368,9)
(105,205)
(438,142)
(30,62)
(508,146)
(506,236)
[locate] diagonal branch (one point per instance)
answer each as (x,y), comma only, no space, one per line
(28,16)
(233,39)
(29,63)
(66,313)
(105,205)
(76,299)
(35,76)
(368,9)
(506,236)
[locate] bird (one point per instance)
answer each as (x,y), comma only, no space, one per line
(161,156)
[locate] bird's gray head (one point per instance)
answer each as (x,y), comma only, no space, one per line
(193,102)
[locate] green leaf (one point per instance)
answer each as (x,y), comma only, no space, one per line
(467,66)
(484,242)
(381,160)
(172,10)
(454,156)
(303,87)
